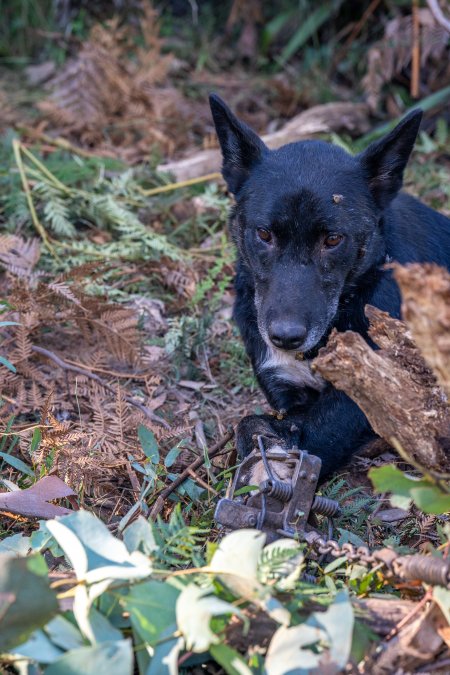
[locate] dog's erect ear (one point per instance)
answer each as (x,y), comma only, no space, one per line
(241,147)
(384,161)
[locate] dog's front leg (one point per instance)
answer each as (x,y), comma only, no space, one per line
(333,429)
(285,431)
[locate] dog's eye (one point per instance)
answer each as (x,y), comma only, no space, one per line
(264,235)
(332,240)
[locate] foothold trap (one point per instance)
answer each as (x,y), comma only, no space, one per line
(284,498)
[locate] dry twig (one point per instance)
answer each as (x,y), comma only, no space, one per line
(158,505)
(86,373)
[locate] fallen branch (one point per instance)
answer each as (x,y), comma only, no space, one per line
(319,119)
(426,310)
(393,387)
(86,373)
(184,475)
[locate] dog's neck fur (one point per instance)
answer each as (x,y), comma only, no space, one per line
(288,368)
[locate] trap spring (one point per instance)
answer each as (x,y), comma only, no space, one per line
(283,498)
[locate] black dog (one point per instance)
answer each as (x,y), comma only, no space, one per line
(313,228)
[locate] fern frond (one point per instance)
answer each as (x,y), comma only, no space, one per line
(56,210)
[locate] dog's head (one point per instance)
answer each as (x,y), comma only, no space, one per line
(307,221)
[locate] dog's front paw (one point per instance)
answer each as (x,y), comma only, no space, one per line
(251,426)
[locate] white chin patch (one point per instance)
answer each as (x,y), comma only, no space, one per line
(291,369)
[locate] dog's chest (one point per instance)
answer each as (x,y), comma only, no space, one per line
(287,367)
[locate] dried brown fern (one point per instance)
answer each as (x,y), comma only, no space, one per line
(19,256)
(102,96)
(89,426)
(391,56)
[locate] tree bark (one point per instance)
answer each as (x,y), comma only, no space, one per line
(426,309)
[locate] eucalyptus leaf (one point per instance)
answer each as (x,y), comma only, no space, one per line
(16,545)
(152,608)
(26,600)
(39,648)
(230,660)
(165,657)
(148,443)
(286,653)
(113,658)
(194,610)
(139,537)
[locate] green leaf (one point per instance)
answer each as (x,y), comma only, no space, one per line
(103,630)
(165,658)
(64,634)
(338,623)
(36,440)
(334,564)
(113,658)
(431,499)
(427,496)
(93,551)
(17,464)
(230,660)
(290,648)
(16,545)
(139,537)
(286,653)
(148,443)
(441,595)
(309,27)
(195,608)
(39,648)
(236,562)
(4,361)
(86,542)
(26,600)
(172,456)
(363,637)
(152,608)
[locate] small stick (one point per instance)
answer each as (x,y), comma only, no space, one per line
(426,598)
(81,371)
(415,56)
(215,450)
(62,143)
(184,183)
(26,188)
(201,482)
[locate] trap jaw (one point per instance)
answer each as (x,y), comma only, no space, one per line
(282,503)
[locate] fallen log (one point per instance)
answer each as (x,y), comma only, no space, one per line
(348,117)
(394,387)
(426,309)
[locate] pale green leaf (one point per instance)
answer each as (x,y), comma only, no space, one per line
(441,595)
(194,610)
(230,660)
(152,608)
(26,600)
(286,653)
(148,443)
(111,658)
(139,537)
(39,648)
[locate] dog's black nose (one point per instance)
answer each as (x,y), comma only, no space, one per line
(287,335)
